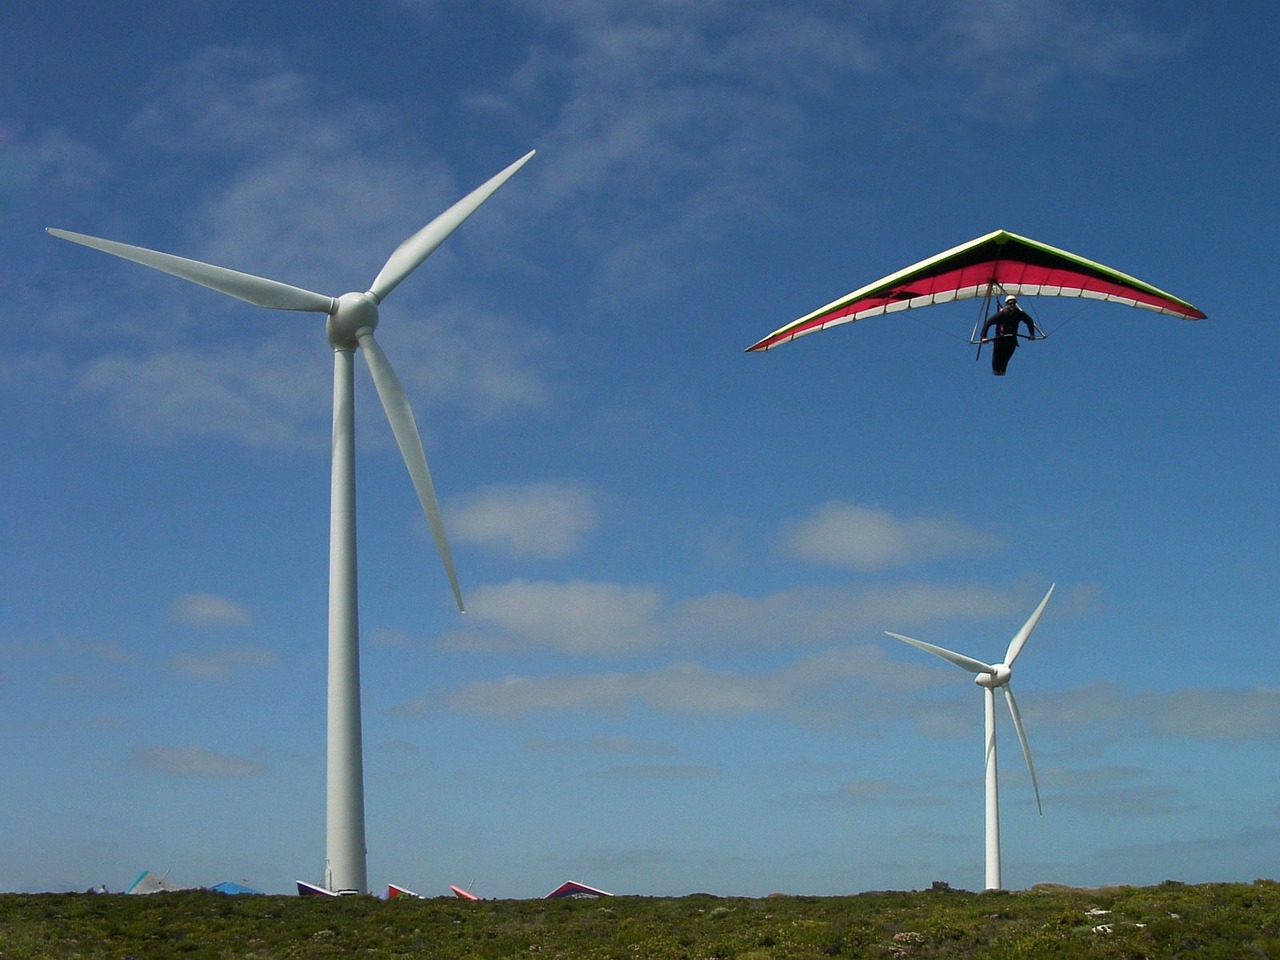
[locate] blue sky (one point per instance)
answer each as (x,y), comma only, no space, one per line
(679,559)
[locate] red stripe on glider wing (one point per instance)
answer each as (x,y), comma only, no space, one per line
(1034,279)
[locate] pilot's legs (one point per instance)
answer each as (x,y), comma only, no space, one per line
(1002,350)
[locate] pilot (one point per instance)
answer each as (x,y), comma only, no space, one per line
(1006,322)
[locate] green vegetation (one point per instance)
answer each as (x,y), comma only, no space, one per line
(1171,920)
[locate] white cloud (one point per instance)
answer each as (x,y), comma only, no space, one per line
(575,617)
(261,394)
(209,610)
(597,618)
(865,538)
(862,687)
(195,762)
(809,616)
(799,690)
(530,520)
(679,688)
(1208,715)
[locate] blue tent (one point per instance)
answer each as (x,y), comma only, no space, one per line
(230,887)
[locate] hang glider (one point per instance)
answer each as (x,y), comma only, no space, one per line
(149,882)
(572,888)
(314,890)
(998,264)
(395,891)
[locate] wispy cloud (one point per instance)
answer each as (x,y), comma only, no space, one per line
(54,160)
(63,648)
(616,745)
(679,688)
(866,538)
(1226,844)
(1112,790)
(195,762)
(209,610)
(576,617)
(1013,52)
(686,688)
(672,124)
(878,793)
(1208,714)
(222,664)
(861,686)
(263,394)
(527,520)
(660,772)
(591,618)
(675,124)
(1095,715)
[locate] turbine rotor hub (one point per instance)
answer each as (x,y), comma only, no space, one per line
(354,312)
(998,678)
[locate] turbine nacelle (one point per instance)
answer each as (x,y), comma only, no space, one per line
(353,314)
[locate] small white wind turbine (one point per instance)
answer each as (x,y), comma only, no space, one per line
(989,677)
(352,318)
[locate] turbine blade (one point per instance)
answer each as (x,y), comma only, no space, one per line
(1026,747)
(1016,644)
(959,659)
(407,257)
(396,403)
(244,286)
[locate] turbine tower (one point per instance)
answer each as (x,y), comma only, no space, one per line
(352,318)
(992,677)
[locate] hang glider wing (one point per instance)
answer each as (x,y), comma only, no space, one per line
(312,890)
(998,263)
(149,882)
(395,891)
(572,888)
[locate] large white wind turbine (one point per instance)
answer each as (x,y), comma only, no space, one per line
(352,318)
(991,676)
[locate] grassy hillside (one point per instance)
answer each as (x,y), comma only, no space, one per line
(1171,920)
